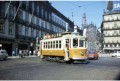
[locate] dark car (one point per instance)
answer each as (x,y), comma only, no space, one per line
(92,55)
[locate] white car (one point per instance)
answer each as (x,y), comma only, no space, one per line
(116,54)
(3,55)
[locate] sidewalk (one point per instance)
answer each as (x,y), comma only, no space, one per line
(13,57)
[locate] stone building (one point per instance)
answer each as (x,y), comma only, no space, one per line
(91,34)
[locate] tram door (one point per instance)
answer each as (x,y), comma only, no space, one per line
(68,42)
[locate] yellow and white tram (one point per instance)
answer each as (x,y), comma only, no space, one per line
(53,48)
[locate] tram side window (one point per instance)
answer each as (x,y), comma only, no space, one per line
(81,44)
(56,44)
(75,42)
(48,45)
(59,44)
(53,44)
(44,45)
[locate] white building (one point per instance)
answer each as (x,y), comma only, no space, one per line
(111,30)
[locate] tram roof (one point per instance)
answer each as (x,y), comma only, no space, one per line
(65,36)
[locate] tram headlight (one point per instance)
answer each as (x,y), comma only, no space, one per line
(82,53)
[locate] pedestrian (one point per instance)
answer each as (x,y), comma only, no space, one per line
(13,53)
(66,49)
(30,52)
(34,52)
(20,54)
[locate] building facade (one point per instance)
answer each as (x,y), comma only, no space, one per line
(111,29)
(99,39)
(21,22)
(91,34)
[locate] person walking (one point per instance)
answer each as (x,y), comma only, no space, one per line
(30,53)
(20,54)
(66,49)
(13,53)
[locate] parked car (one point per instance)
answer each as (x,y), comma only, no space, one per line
(92,55)
(116,54)
(3,55)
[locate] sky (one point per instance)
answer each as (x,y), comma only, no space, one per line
(93,10)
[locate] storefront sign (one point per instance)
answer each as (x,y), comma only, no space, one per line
(116,5)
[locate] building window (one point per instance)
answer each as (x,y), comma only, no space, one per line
(11,10)
(37,22)
(20,14)
(37,10)
(33,6)
(45,14)
(11,28)
(115,25)
(20,30)
(49,16)
(45,24)
(27,17)
(32,32)
(49,26)
(35,19)
(37,33)
(32,19)
(42,10)
(27,3)
(26,31)
(2,6)
(42,23)
(1,28)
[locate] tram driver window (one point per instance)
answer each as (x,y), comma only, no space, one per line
(75,42)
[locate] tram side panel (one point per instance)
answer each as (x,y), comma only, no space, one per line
(53,53)
(77,54)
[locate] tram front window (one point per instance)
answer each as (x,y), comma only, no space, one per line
(75,42)
(81,44)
